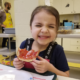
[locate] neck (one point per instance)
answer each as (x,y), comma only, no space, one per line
(39,47)
(6,9)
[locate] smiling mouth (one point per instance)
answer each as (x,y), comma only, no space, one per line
(44,37)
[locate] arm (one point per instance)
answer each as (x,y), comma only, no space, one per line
(58,72)
(0,13)
(0,17)
(1,20)
(58,63)
(43,66)
(18,64)
(61,61)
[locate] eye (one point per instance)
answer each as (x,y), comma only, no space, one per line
(51,26)
(38,25)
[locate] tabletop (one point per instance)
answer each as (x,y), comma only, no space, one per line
(2,67)
(6,35)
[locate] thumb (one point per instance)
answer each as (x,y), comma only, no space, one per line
(16,59)
(40,58)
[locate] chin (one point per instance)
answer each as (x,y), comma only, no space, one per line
(44,43)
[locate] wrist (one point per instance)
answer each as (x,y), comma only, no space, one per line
(50,67)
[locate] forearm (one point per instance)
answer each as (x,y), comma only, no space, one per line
(56,71)
(1,24)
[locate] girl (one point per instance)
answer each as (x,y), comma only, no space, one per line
(44,25)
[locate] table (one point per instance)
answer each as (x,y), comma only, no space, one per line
(58,77)
(5,51)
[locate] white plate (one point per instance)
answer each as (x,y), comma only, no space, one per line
(15,75)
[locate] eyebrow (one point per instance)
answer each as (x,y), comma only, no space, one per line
(38,23)
(53,24)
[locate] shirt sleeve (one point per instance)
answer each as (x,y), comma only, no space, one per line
(0,13)
(61,61)
(0,18)
(22,46)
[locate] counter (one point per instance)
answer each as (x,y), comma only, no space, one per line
(72,51)
(68,35)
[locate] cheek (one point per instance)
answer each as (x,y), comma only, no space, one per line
(34,31)
(53,34)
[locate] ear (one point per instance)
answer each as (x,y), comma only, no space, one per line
(30,27)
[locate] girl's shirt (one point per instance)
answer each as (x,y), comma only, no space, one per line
(58,58)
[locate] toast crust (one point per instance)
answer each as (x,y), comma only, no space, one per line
(26,60)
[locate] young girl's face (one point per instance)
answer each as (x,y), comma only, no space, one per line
(43,28)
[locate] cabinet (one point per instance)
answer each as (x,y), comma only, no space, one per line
(67,6)
(6,51)
(58,40)
(63,6)
(71,45)
(76,6)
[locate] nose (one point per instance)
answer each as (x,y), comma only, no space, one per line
(44,29)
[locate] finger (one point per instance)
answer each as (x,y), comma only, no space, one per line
(19,67)
(37,62)
(17,63)
(34,64)
(39,70)
(40,58)
(16,59)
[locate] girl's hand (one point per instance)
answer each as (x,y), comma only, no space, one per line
(41,65)
(18,64)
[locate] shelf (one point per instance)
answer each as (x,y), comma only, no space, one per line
(73,60)
(5,51)
(72,52)
(76,65)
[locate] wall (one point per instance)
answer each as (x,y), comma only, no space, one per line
(70,17)
(23,10)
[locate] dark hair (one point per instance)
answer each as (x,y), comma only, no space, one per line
(6,3)
(50,10)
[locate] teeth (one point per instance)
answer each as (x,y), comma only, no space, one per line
(43,36)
